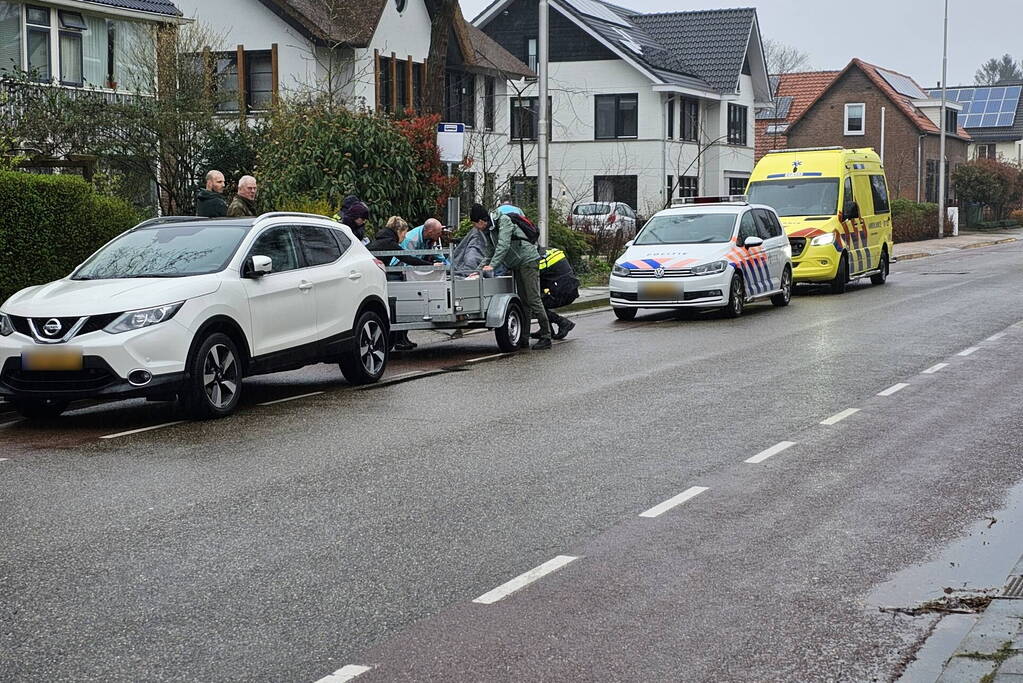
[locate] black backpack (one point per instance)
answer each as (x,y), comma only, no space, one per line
(531,232)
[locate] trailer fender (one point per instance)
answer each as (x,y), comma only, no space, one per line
(498,309)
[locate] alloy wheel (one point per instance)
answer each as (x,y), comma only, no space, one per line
(372,347)
(220,376)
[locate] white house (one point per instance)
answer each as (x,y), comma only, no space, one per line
(644,107)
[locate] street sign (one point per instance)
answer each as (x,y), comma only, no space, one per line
(451,142)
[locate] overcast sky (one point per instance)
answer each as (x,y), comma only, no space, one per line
(903,35)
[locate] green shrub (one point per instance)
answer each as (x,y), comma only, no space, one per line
(50,224)
(304,204)
(912,222)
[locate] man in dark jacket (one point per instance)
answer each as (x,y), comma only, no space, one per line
(244,203)
(559,287)
(355,216)
(210,201)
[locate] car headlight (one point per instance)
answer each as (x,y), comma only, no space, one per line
(621,271)
(136,320)
(823,240)
(710,268)
(6,326)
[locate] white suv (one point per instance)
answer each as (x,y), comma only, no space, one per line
(185,308)
(706,252)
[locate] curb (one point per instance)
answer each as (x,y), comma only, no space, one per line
(991,243)
(978,245)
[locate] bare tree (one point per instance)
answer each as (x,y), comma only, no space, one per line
(784,59)
(995,71)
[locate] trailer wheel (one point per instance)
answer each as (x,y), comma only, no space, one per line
(511,334)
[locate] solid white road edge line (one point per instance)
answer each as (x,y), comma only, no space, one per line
(995,337)
(967,352)
(524,580)
(480,360)
(893,389)
(345,673)
(935,368)
(291,398)
(838,417)
(660,509)
(773,450)
(3,459)
(143,429)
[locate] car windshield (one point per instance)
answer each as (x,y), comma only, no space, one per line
(689,228)
(165,251)
(592,209)
(797,196)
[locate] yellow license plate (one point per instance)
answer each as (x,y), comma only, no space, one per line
(52,360)
(660,291)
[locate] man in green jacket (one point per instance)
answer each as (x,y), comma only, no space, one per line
(244,203)
(508,247)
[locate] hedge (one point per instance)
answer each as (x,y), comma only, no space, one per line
(50,224)
(912,222)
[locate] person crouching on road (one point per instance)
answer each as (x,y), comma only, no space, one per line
(559,287)
(244,203)
(355,217)
(508,247)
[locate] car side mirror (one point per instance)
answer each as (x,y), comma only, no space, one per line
(752,241)
(258,266)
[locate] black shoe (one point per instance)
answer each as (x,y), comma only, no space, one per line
(563,329)
(542,345)
(405,346)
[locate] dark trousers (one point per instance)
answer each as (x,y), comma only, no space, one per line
(554,317)
(527,280)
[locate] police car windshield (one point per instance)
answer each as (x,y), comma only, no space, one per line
(688,228)
(165,251)
(797,196)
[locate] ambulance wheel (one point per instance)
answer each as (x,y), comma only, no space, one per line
(841,280)
(783,297)
(625,314)
(366,360)
(736,298)
(511,334)
(882,275)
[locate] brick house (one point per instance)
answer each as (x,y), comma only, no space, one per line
(849,113)
(793,93)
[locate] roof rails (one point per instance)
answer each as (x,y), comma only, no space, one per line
(278,214)
(805,149)
(166,219)
(725,199)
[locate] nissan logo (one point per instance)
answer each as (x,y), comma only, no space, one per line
(659,272)
(52,327)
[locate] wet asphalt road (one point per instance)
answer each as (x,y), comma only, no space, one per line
(356,527)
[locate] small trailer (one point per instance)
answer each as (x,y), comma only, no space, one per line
(436,298)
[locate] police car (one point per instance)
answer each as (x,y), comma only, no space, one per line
(704,252)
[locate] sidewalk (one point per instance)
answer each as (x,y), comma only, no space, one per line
(993,649)
(966,239)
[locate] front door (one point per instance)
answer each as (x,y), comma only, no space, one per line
(282,302)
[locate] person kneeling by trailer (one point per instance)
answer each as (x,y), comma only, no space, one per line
(559,286)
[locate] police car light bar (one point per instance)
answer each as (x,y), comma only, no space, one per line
(726,199)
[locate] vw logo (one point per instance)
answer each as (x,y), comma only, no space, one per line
(659,272)
(52,327)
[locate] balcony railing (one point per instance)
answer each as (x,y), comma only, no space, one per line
(15,94)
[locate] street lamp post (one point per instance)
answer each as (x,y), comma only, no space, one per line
(543,173)
(943,125)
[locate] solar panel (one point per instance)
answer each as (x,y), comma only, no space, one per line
(903,85)
(592,8)
(985,107)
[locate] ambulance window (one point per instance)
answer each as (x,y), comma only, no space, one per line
(880,192)
(747,227)
(848,197)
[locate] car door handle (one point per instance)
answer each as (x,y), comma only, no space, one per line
(354,275)
(305,286)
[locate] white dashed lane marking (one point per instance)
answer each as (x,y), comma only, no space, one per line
(967,352)
(770,452)
(291,398)
(935,368)
(995,337)
(893,389)
(480,360)
(688,494)
(838,417)
(143,429)
(523,580)
(345,673)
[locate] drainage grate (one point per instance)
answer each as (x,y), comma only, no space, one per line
(1013,589)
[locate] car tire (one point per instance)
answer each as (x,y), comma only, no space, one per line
(841,281)
(366,360)
(883,267)
(214,385)
(513,331)
(783,297)
(736,297)
(625,314)
(40,409)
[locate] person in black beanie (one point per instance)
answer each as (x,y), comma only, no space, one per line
(355,216)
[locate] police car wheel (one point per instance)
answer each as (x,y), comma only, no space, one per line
(625,314)
(785,295)
(882,275)
(736,297)
(838,285)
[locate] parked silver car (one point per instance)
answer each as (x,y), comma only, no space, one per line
(605,218)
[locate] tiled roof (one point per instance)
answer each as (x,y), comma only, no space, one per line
(155,6)
(480,51)
(342,23)
(800,90)
(1002,134)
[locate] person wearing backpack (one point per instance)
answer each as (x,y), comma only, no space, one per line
(509,246)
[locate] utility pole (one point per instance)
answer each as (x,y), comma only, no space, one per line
(941,176)
(542,190)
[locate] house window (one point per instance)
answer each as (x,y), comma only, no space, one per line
(854,119)
(489,102)
(417,86)
(879,190)
(401,86)
(617,116)
(688,186)
(226,82)
(10,37)
(615,188)
(384,80)
(737,185)
(737,124)
(525,118)
(932,181)
(671,118)
(37,29)
(259,79)
(70,44)
(951,121)
(690,130)
(671,188)
(461,98)
(532,54)
(986,152)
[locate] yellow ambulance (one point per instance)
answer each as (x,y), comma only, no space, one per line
(834,206)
